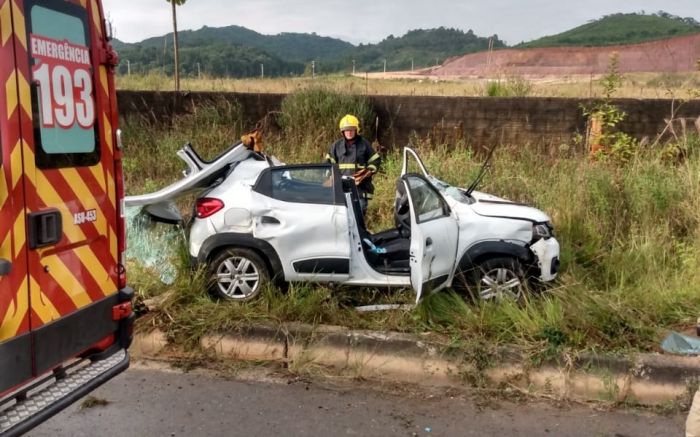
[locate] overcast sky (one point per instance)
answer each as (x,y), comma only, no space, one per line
(372,20)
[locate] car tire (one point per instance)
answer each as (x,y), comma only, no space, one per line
(494,279)
(238,274)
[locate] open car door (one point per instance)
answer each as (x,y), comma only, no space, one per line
(434,236)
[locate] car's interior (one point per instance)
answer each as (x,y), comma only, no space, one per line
(386,251)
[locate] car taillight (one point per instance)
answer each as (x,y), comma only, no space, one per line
(121,226)
(207,206)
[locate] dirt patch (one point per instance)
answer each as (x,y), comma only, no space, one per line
(669,55)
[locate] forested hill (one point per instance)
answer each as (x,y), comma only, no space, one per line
(620,29)
(418,48)
(293,47)
(237,51)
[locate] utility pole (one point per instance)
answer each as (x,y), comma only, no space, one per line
(199,71)
(411,64)
(128,68)
(313,69)
(384,65)
(262,71)
(353,67)
(165,51)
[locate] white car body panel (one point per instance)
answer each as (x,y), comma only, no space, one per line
(546,251)
(305,231)
(433,247)
(301,231)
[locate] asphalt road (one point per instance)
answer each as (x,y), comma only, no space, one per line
(153,401)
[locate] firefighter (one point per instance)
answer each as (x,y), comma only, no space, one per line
(355,157)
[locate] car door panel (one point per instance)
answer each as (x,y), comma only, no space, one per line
(434,237)
(303,222)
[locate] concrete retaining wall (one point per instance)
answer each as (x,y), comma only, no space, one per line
(476,120)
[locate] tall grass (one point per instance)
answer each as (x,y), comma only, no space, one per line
(634,85)
(630,237)
(310,117)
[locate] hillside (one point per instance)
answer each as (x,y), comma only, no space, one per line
(620,29)
(292,47)
(235,51)
(238,52)
(421,47)
(673,55)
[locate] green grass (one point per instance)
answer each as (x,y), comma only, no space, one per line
(630,240)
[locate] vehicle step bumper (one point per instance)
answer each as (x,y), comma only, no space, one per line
(53,394)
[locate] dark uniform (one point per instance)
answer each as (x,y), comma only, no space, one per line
(353,157)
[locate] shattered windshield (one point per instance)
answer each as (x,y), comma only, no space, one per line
(457,194)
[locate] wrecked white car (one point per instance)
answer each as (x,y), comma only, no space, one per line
(264,222)
(259,221)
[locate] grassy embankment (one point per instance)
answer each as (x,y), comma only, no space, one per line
(630,236)
(639,85)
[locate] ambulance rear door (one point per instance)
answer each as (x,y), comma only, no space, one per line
(68,161)
(15,340)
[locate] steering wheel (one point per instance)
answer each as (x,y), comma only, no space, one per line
(402,214)
(284,184)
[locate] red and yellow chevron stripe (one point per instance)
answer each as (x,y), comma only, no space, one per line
(51,282)
(14,288)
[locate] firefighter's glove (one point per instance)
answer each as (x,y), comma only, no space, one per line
(361,175)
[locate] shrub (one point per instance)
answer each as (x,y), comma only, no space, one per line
(309,119)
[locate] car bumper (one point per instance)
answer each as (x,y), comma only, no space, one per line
(547,254)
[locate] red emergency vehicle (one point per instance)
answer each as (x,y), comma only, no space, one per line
(65,308)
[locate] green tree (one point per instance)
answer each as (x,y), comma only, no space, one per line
(175,4)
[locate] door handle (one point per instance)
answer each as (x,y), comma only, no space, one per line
(5,267)
(428,242)
(45,228)
(267,220)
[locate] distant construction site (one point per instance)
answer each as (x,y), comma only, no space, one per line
(673,55)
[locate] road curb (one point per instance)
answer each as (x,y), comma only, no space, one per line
(648,379)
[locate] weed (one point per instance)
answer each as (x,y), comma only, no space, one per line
(635,85)
(92,402)
(311,116)
(513,86)
(630,237)
(606,142)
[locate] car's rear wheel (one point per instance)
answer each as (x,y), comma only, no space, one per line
(494,279)
(238,274)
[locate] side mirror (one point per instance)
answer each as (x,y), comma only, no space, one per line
(109,29)
(165,212)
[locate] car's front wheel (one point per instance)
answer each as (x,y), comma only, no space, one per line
(238,274)
(493,279)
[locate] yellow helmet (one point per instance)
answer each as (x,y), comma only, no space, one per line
(349,122)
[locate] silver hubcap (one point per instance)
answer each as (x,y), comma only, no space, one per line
(500,283)
(238,278)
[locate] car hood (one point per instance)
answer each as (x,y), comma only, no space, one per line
(492,206)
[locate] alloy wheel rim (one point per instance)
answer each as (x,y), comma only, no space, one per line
(501,283)
(238,278)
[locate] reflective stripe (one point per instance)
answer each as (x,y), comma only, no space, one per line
(372,167)
(374,157)
(330,158)
(346,166)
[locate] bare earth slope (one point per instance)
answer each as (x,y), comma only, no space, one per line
(669,55)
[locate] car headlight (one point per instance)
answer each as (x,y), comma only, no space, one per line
(542,230)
